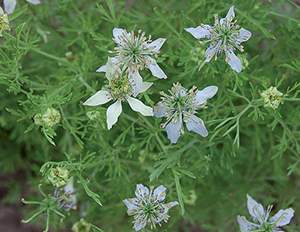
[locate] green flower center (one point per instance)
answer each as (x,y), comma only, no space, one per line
(120,88)
(149,209)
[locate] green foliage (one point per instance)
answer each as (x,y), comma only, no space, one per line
(48,60)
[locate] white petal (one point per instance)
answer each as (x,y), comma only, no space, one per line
(173,130)
(117,32)
(196,125)
(156,44)
(9,6)
(138,85)
(141,191)
(99,98)
(255,209)
(234,62)
(283,217)
(212,50)
(34,2)
(243,35)
(139,225)
(207,93)
(230,15)
(200,32)
(159,193)
(159,110)
(139,106)
(156,70)
(102,68)
(112,68)
(245,225)
(113,112)
(132,205)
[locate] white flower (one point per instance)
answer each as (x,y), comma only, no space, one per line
(10,5)
(66,197)
(262,222)
(148,207)
(118,90)
(224,37)
(272,97)
(180,106)
(4,23)
(134,52)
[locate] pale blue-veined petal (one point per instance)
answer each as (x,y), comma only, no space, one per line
(256,210)
(245,225)
(9,6)
(117,33)
(203,95)
(229,17)
(173,130)
(141,191)
(155,69)
(212,50)
(200,32)
(112,114)
(243,35)
(102,68)
(132,205)
(283,217)
(34,2)
(99,98)
(234,62)
(70,192)
(139,106)
(159,193)
(195,124)
(110,61)
(138,85)
(156,44)
(160,110)
(139,224)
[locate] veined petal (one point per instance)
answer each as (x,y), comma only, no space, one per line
(159,110)
(234,62)
(243,35)
(203,95)
(156,44)
(255,209)
(102,68)
(155,69)
(99,98)
(245,225)
(141,191)
(139,106)
(229,17)
(283,217)
(117,33)
(9,6)
(132,205)
(159,193)
(173,130)
(139,86)
(34,2)
(212,50)
(200,32)
(139,224)
(112,114)
(196,125)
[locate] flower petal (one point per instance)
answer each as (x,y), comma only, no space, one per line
(34,2)
(132,205)
(243,35)
(155,69)
(138,85)
(99,98)
(156,44)
(200,32)
(112,114)
(283,217)
(229,17)
(117,32)
(212,50)
(245,225)
(139,224)
(255,209)
(159,193)
(173,130)
(102,68)
(159,110)
(139,106)
(203,95)
(9,6)
(196,125)
(234,62)
(141,191)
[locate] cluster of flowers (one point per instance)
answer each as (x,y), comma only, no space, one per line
(135,52)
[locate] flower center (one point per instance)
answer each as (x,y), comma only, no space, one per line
(266,227)
(120,87)
(4,25)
